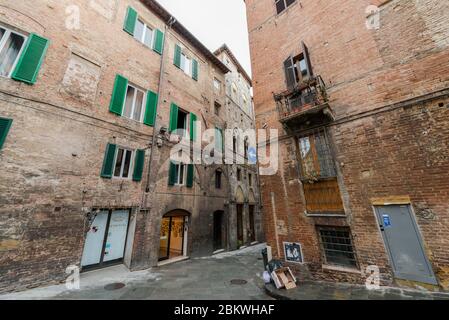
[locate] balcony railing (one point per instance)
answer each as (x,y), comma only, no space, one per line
(297,104)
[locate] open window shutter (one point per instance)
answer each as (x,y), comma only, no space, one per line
(158,44)
(151,109)
(31,59)
(173,117)
(193,119)
(5,125)
(177,59)
(290,73)
(172,174)
(190,173)
(118,95)
(138,165)
(108,162)
(194,69)
(305,51)
(130,21)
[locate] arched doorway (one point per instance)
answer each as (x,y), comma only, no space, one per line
(173,239)
(240,199)
(219,230)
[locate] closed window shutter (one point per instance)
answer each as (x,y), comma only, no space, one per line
(173,117)
(305,51)
(194,69)
(151,109)
(177,59)
(5,125)
(290,73)
(193,119)
(158,44)
(130,21)
(190,174)
(138,165)
(118,95)
(31,59)
(172,174)
(108,162)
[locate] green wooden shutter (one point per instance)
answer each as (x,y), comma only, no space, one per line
(172,174)
(173,117)
(158,44)
(194,69)
(190,173)
(118,95)
(5,125)
(108,162)
(177,60)
(130,21)
(151,109)
(138,165)
(193,119)
(31,59)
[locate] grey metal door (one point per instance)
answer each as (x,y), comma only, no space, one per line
(404,244)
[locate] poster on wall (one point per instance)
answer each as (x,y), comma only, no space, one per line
(293,252)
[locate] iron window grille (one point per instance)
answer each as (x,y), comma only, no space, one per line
(337,246)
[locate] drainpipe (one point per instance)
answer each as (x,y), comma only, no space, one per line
(171,22)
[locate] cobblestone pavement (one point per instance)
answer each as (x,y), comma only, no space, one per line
(195,279)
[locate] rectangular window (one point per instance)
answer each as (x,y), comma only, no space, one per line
(182,121)
(186,64)
(11,46)
(239,174)
(217,85)
(281,5)
(123,163)
(217,108)
(180,174)
(218,175)
(337,247)
(250,179)
(134,103)
(143,33)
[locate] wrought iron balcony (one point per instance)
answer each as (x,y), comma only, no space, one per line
(305,104)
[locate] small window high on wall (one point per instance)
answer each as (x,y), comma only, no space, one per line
(281,5)
(11,45)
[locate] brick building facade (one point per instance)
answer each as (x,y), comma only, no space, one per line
(87,108)
(362,110)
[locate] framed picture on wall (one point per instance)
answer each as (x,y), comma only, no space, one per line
(293,252)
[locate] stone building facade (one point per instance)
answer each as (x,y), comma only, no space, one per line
(243,175)
(360,95)
(92,101)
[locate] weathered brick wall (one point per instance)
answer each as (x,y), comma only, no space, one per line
(381,150)
(53,155)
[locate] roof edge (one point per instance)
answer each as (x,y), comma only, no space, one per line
(225,48)
(162,13)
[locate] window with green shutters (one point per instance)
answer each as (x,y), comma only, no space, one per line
(219,140)
(129,101)
(123,163)
(31,58)
(152,38)
(190,175)
(177,58)
(180,174)
(188,65)
(5,125)
(193,131)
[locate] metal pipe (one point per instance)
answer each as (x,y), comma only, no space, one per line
(171,21)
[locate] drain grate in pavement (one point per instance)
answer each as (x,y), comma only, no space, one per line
(114,286)
(239,282)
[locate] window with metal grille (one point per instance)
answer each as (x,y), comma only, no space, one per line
(337,247)
(316,157)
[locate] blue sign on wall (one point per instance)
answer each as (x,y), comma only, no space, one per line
(387,220)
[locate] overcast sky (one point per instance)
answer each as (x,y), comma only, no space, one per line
(215,22)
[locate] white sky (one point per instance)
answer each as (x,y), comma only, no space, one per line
(215,22)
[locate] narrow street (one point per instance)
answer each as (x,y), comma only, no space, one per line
(196,279)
